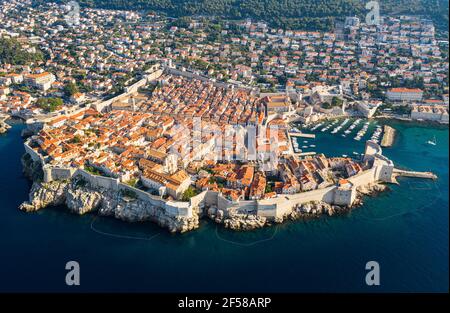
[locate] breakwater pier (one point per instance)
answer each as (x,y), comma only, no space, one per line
(426,175)
(303,135)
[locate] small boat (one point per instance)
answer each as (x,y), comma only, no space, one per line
(312,146)
(355,153)
(305,141)
(344,155)
(432,142)
(304,147)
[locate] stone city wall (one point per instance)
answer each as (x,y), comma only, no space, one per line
(284,204)
(33,154)
(57,173)
(363,178)
(271,208)
(191,75)
(99,181)
(101,105)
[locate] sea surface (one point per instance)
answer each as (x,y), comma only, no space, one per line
(405,230)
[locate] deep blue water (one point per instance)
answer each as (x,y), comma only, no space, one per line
(405,230)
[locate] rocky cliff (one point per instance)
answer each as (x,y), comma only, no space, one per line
(80,198)
(45,194)
(135,210)
(31,169)
(237,221)
(315,209)
(240,221)
(372,189)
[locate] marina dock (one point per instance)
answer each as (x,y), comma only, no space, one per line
(305,154)
(303,135)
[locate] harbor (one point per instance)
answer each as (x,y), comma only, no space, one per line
(294,134)
(354,129)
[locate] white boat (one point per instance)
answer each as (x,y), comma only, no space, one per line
(344,155)
(317,126)
(304,147)
(312,146)
(305,141)
(432,142)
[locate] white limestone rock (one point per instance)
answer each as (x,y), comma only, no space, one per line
(81,200)
(244,222)
(45,194)
(372,189)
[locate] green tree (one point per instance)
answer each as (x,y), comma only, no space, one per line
(189,193)
(50,104)
(70,89)
(336,102)
(11,52)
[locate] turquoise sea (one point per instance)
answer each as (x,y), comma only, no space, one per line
(404,230)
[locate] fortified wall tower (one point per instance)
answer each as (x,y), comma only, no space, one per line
(383,167)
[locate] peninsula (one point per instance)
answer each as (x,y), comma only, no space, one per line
(169,120)
(165,158)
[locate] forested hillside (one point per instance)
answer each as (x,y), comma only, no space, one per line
(11,52)
(307,14)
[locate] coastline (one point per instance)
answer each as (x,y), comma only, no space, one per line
(408,120)
(82,192)
(80,197)
(395,224)
(4,127)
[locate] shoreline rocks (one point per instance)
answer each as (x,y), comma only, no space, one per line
(81,201)
(372,189)
(43,195)
(245,222)
(4,127)
(79,198)
(316,209)
(236,221)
